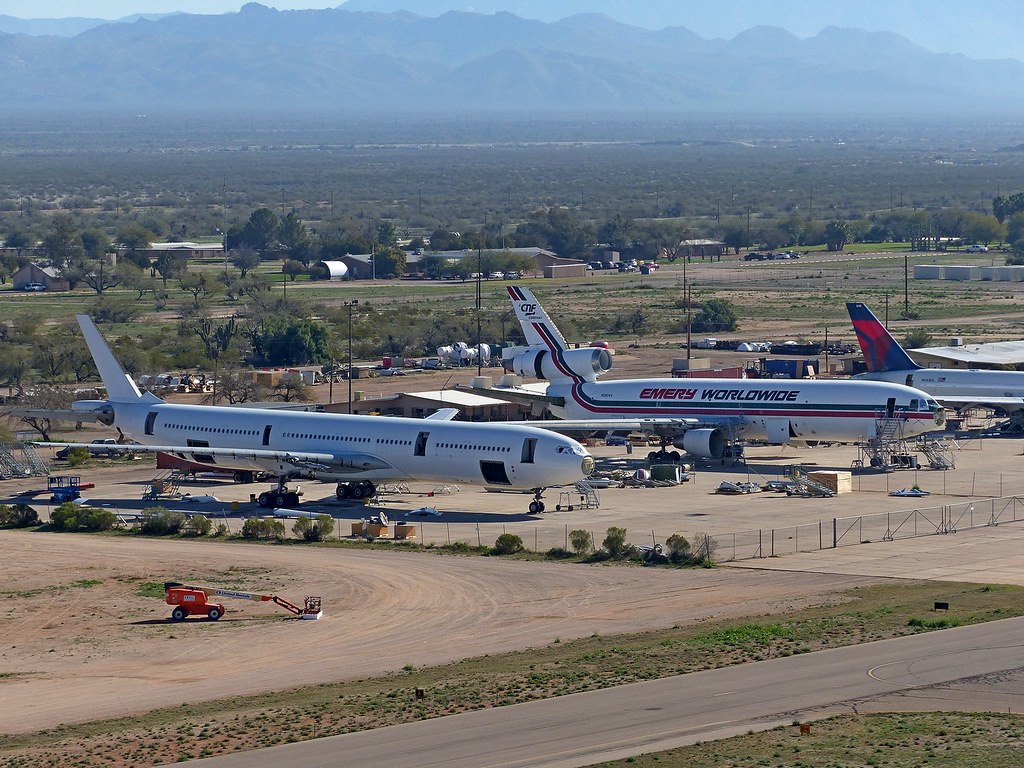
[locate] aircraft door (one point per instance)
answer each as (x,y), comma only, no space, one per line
(266,435)
(421,444)
(890,407)
(777,431)
(529,450)
(202,458)
(910,379)
(150,421)
(494,473)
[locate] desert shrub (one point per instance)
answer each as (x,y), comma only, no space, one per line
(78,456)
(69,516)
(508,544)
(314,529)
(559,553)
(158,521)
(18,516)
(198,525)
(678,548)
(581,541)
(615,543)
(262,528)
(222,530)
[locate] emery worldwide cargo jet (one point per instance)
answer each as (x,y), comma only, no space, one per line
(354,451)
(702,415)
(887,361)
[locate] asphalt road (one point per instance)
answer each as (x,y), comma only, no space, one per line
(628,720)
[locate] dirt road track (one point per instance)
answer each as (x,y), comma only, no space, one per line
(81,652)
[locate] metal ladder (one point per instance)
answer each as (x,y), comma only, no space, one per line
(10,466)
(938,453)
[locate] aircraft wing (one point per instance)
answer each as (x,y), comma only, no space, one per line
(356,462)
(662,425)
(1006,404)
(57,415)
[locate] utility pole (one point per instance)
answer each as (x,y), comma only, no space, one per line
(350,304)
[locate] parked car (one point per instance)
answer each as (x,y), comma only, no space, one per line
(977,248)
(97,447)
(615,440)
(34,287)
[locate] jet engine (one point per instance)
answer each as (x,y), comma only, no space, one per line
(587,363)
(100,410)
(703,443)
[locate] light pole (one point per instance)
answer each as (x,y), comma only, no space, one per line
(350,304)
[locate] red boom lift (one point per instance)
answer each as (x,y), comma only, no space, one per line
(195,601)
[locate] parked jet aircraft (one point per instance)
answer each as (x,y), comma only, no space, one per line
(354,451)
(702,415)
(887,361)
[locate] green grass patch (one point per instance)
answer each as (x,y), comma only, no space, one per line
(906,740)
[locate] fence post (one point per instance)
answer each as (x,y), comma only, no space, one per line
(835,532)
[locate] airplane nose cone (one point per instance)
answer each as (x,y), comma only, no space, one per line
(587,465)
(940,417)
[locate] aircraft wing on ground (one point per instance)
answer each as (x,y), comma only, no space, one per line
(356,462)
(958,403)
(666,425)
(519,395)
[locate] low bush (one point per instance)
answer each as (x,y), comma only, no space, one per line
(314,529)
(508,544)
(69,516)
(581,540)
(263,529)
(18,516)
(158,521)
(198,525)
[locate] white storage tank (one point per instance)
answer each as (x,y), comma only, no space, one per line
(927,271)
(960,272)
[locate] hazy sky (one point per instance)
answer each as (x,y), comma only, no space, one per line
(980,29)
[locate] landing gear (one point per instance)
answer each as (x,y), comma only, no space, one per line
(280,496)
(537,505)
(363,489)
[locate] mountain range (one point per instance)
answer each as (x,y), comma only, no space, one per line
(339,60)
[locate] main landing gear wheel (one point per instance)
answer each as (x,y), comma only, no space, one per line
(264,500)
(364,489)
(537,505)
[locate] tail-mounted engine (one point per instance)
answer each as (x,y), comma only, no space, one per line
(101,410)
(584,364)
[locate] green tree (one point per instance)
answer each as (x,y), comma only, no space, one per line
(389,263)
(245,260)
(295,239)
(285,340)
(171,266)
(714,315)
(982,229)
(261,231)
(19,240)
(18,516)
(292,269)
(837,235)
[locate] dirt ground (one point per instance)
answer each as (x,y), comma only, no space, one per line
(79,643)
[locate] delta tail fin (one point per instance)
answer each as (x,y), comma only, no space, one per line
(119,385)
(881,351)
(537,326)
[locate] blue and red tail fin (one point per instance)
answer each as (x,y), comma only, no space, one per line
(881,351)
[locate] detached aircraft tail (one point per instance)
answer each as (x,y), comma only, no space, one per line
(537,326)
(881,351)
(119,385)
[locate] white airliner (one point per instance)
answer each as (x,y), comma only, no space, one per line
(702,416)
(354,451)
(887,361)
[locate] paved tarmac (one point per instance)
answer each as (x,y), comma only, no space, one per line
(618,722)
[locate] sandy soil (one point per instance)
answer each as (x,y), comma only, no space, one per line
(78,642)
